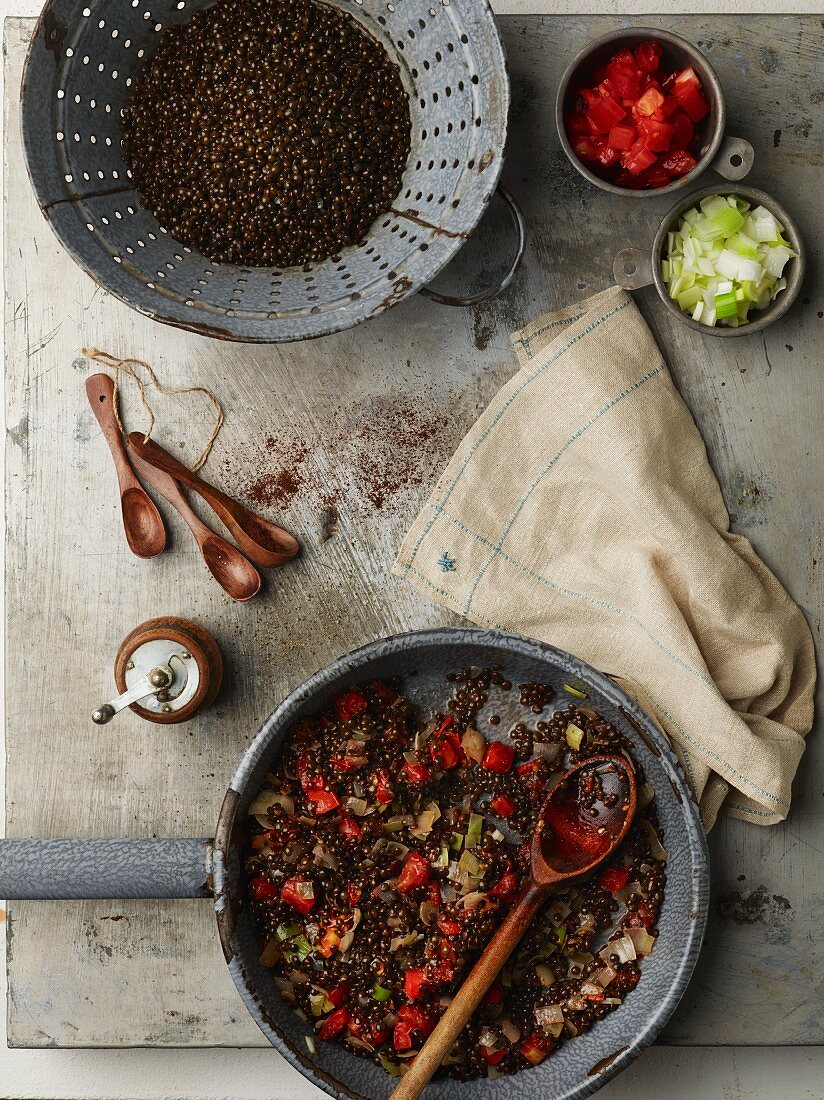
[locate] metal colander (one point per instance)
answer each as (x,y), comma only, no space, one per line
(80,67)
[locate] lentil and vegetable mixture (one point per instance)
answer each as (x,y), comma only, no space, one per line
(385,849)
(267,132)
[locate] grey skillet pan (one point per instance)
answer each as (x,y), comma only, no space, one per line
(62,869)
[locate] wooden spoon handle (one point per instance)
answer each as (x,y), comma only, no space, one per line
(471,993)
(262,542)
(169,488)
(100,392)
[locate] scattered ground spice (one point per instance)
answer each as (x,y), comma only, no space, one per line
(384,445)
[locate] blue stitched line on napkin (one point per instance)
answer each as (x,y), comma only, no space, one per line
(485,434)
(610,405)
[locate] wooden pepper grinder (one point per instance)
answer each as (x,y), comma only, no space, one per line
(166,670)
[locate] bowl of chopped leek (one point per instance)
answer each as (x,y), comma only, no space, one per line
(728,263)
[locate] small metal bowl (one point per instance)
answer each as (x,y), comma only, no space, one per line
(634,267)
(730,157)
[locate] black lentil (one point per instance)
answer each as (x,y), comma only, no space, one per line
(267,132)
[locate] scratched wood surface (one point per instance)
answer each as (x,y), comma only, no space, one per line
(341,439)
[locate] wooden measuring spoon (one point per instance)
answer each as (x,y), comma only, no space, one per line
(569,842)
(232,571)
(262,542)
(142,522)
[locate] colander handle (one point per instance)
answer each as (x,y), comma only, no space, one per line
(515,263)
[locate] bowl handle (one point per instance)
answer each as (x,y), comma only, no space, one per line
(515,263)
(632,268)
(59,870)
(734,159)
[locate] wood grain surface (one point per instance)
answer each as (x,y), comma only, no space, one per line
(340,440)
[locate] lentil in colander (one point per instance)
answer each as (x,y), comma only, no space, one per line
(383,852)
(267,132)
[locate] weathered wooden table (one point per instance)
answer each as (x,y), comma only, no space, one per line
(341,439)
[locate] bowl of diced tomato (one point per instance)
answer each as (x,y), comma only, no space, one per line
(640,112)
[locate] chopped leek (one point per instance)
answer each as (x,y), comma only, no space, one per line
(574,736)
(473,833)
(725,260)
(572,690)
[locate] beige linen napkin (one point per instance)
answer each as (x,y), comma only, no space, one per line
(581,509)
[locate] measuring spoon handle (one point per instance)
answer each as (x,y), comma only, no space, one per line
(100,392)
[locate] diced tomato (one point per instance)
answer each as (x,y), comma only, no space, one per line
(607,156)
(339,994)
(604,115)
(502,804)
(655,135)
(419,1019)
(402,1036)
(492,1057)
(687,89)
(682,130)
(679,162)
(625,58)
(694,103)
(624,81)
(445,746)
(536,1048)
(384,791)
(321,801)
(414,982)
(334,1024)
(667,108)
(350,829)
(433,893)
(383,692)
(262,889)
(353,893)
(411,1020)
(656,176)
(348,705)
(498,757)
(585,150)
(648,56)
(621,138)
(494,995)
(528,769)
(290,894)
(416,774)
(379,1035)
(649,102)
(614,878)
(449,927)
(416,872)
(636,159)
(505,888)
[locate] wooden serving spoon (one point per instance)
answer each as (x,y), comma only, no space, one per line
(568,843)
(232,571)
(142,522)
(262,542)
